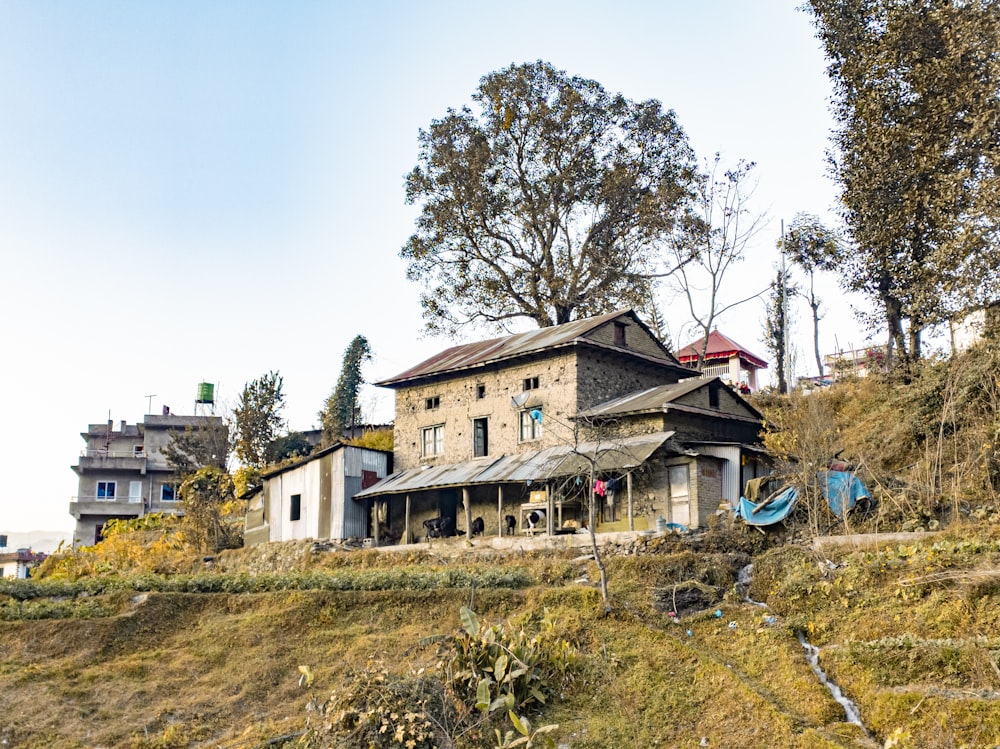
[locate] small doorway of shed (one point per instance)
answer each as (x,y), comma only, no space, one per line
(680,497)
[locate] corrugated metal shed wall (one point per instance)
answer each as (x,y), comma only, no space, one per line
(731,488)
(353,520)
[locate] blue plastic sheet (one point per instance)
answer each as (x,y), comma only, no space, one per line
(842,490)
(768,513)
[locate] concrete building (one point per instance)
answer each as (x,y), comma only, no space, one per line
(734,364)
(123,472)
(18,563)
(514,425)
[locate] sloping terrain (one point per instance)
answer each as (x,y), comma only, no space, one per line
(908,632)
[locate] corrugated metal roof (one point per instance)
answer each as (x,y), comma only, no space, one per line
(562,460)
(650,399)
(480,353)
(660,398)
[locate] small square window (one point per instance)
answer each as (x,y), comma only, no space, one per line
(433,402)
(480,391)
(106,490)
(168,493)
(295,507)
(531,383)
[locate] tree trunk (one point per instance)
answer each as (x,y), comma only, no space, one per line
(814,304)
(593,545)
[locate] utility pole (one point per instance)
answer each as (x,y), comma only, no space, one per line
(786,361)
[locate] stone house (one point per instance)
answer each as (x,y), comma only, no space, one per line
(123,472)
(313,497)
(533,421)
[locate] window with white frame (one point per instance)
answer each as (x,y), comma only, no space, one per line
(106,491)
(135,492)
(168,493)
(530,424)
(432,440)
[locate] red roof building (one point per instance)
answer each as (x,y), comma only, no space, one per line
(725,359)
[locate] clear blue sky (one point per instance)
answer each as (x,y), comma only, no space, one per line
(208,191)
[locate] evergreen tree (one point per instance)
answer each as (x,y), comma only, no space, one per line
(340,410)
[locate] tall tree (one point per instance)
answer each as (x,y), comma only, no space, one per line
(551,203)
(257,419)
(776,324)
(812,247)
(196,447)
(712,239)
(917,146)
(340,410)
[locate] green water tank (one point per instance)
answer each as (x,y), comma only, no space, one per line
(206,393)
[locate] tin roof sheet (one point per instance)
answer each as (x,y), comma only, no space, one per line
(468,355)
(650,399)
(562,460)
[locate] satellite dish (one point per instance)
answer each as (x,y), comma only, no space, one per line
(520,399)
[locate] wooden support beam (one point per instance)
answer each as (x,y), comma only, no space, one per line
(500,524)
(468,512)
(407,536)
(631,516)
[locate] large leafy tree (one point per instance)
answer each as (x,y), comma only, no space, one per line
(813,247)
(257,419)
(551,202)
(917,146)
(340,410)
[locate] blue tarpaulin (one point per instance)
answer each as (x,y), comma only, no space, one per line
(842,490)
(770,511)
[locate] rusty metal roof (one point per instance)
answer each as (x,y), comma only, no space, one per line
(562,460)
(661,398)
(650,399)
(480,353)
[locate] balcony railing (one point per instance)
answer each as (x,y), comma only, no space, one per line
(101,453)
(95,498)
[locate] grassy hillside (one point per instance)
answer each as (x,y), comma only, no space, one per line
(140,643)
(908,632)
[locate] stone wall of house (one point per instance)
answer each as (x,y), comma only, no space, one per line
(605,375)
(485,394)
(636,339)
(709,488)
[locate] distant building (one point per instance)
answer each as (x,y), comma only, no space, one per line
(856,362)
(972,326)
(19,563)
(732,363)
(123,472)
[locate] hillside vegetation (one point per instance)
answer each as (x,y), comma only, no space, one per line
(141,643)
